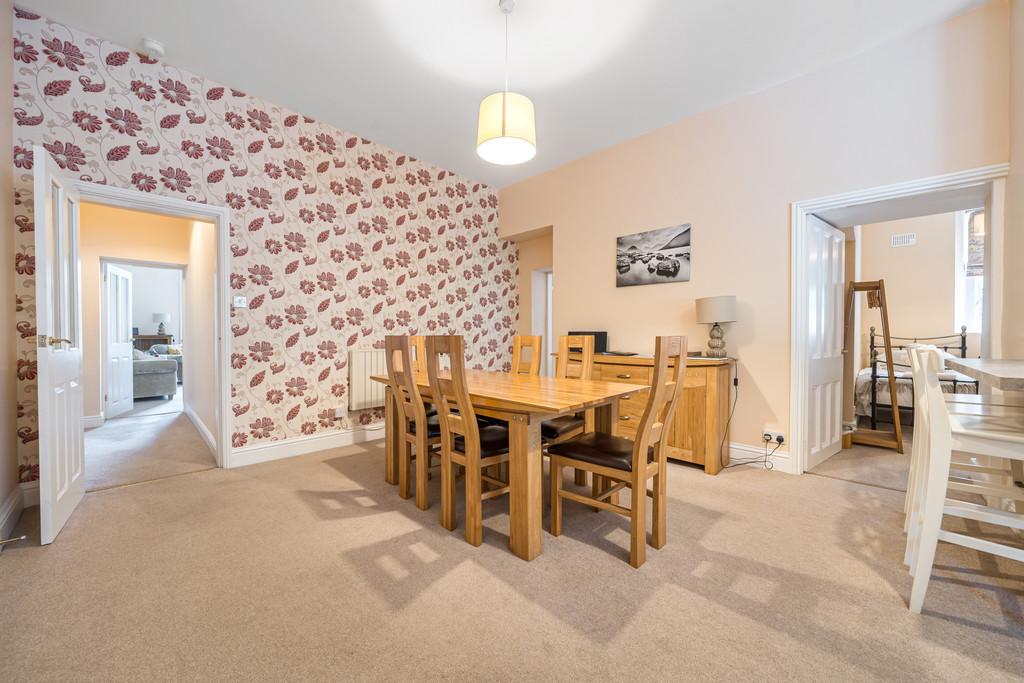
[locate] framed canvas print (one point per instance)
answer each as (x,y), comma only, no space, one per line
(653,257)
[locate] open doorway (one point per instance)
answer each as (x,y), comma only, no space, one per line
(147,313)
(933,270)
(923,238)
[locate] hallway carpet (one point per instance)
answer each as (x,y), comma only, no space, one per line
(313,568)
(128,450)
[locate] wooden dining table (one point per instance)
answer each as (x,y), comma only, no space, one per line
(524,402)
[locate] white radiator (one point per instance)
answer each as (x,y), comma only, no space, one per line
(363,392)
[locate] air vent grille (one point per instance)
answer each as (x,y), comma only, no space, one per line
(903,239)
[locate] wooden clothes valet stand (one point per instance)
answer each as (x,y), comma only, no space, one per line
(875,289)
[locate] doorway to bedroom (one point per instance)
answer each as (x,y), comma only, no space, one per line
(940,260)
(148,346)
(933,269)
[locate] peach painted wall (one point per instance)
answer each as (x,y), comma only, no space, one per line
(933,102)
(1013,321)
(118,233)
(200,321)
(534,254)
(920,281)
(8,380)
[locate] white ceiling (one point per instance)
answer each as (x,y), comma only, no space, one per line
(410,73)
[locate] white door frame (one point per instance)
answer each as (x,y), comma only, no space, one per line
(220,216)
(799,355)
(104,312)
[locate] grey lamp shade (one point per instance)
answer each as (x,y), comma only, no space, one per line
(161,317)
(716,309)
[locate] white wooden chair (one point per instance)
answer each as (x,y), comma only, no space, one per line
(996,435)
(968,475)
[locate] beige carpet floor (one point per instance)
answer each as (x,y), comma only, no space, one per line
(313,569)
(870,465)
(128,450)
(157,405)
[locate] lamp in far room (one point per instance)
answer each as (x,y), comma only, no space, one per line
(713,310)
(161,318)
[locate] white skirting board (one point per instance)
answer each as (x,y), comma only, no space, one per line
(30,493)
(301,445)
(781,461)
(203,431)
(92,421)
(10,511)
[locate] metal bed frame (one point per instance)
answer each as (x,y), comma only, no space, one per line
(946,342)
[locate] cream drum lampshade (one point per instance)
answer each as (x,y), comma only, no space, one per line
(506,134)
(713,310)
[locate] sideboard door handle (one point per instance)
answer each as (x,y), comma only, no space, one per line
(624,375)
(623,417)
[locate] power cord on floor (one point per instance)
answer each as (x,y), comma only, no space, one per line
(732,411)
(764,460)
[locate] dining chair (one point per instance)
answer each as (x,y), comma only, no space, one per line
(419,432)
(995,435)
(566,427)
(629,464)
(572,368)
(967,404)
(524,363)
(464,440)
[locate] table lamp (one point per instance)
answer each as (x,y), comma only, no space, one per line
(713,310)
(161,318)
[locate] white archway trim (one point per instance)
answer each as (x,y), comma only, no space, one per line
(799,358)
(220,216)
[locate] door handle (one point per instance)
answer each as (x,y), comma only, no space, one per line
(624,375)
(43,340)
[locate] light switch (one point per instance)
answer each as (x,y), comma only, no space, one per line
(241,302)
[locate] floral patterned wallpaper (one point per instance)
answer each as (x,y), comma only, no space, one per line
(336,241)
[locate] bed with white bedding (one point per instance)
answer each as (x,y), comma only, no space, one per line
(952,383)
(871,390)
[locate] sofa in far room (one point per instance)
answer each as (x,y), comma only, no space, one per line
(154,376)
(169,352)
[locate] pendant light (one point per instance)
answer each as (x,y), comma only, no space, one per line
(506,134)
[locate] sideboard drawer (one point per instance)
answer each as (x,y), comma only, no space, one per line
(632,374)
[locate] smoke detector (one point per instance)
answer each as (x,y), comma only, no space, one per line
(152,48)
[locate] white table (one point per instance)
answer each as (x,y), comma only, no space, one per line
(1007,375)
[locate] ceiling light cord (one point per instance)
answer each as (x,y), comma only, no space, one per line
(506,52)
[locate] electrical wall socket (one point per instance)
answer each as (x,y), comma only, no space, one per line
(339,413)
(775,436)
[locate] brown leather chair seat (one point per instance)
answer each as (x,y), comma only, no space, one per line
(493,441)
(563,424)
(599,448)
(433,426)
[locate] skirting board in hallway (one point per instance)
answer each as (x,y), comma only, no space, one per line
(313,567)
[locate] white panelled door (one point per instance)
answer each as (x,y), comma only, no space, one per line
(825,286)
(58,348)
(120,392)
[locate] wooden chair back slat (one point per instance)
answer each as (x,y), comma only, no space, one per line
(666,388)
(527,355)
(449,391)
(419,352)
(402,380)
(568,368)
